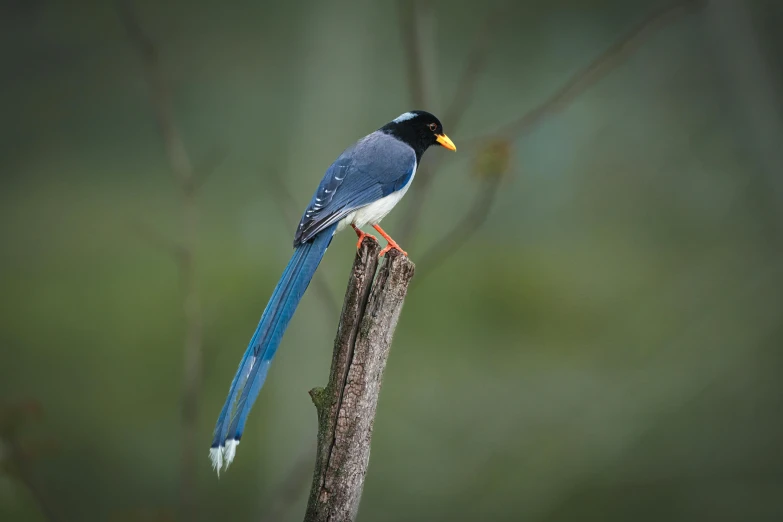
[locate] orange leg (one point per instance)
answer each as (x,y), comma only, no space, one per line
(391,243)
(361,235)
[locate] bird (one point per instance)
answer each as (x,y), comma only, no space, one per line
(360,188)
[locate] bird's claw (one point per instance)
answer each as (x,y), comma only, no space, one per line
(361,238)
(392,246)
(361,235)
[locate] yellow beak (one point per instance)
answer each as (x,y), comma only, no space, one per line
(445,141)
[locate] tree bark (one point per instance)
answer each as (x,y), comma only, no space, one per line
(346,407)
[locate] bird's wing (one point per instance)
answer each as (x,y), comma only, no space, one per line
(373,168)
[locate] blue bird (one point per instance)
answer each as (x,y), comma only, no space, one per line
(365,182)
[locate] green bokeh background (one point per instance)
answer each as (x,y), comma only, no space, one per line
(607,347)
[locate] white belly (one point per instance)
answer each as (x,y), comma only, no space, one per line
(373,213)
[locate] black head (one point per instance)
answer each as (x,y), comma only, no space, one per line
(420,130)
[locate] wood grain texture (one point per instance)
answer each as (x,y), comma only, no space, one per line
(346,407)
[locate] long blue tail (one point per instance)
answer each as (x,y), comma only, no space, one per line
(254,365)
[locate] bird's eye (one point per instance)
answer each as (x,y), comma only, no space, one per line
(433,127)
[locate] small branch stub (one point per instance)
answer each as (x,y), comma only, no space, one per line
(346,407)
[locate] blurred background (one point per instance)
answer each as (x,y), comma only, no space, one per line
(594,329)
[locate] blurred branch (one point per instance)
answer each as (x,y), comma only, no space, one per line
(756,88)
(561,98)
(189,181)
(411,33)
(455,110)
(491,166)
(464,230)
(477,62)
(161,98)
(600,67)
(287,205)
(17,458)
(346,407)
(207,166)
(154,238)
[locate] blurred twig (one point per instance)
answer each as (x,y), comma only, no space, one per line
(575,86)
(155,238)
(189,180)
(477,62)
(411,32)
(455,110)
(287,205)
(596,70)
(208,164)
(17,457)
(756,86)
(491,167)
(463,231)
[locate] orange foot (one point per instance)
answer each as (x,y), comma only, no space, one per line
(392,244)
(361,235)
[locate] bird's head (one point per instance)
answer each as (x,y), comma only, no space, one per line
(420,130)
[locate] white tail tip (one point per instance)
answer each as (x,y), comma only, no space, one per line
(231,451)
(223,454)
(216,456)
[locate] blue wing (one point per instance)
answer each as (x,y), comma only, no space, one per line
(371,169)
